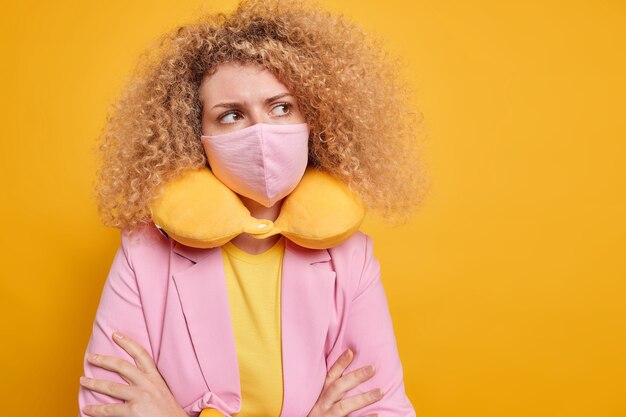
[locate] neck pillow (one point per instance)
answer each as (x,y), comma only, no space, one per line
(198,210)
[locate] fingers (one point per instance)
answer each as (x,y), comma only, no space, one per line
(113,389)
(356,402)
(125,369)
(128,371)
(338,367)
(106,410)
(337,384)
(342,385)
(136,351)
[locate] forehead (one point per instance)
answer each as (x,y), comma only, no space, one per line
(240,82)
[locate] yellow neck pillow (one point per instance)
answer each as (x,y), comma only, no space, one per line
(198,210)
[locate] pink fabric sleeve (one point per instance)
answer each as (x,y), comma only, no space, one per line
(369,332)
(119,310)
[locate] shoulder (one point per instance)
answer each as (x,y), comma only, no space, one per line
(144,244)
(354,262)
(357,248)
(146,260)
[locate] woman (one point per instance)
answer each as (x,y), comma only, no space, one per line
(254,326)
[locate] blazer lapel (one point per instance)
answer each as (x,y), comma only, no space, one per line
(306,301)
(204,300)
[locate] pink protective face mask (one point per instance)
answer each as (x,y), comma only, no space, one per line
(263,162)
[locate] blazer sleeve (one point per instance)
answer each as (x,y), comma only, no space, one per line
(369,331)
(119,309)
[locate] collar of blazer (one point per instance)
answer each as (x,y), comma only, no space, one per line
(307,291)
(199,211)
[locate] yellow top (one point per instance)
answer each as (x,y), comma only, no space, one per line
(254,283)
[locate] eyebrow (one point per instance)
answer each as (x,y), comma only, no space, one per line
(267,101)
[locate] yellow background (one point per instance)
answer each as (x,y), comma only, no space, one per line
(507,288)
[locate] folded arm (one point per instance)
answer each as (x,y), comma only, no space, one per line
(369,331)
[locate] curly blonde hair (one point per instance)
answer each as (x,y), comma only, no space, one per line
(363,128)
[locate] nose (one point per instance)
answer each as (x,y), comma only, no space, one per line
(258,115)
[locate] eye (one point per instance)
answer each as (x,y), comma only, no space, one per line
(281,109)
(230,117)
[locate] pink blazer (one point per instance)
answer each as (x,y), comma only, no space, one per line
(173,300)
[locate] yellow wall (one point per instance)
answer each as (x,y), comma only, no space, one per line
(507,289)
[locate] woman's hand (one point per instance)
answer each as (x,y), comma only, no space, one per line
(330,402)
(146,394)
